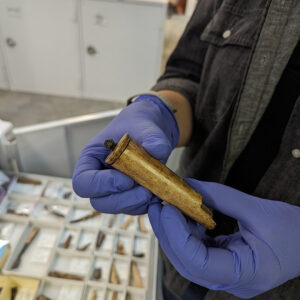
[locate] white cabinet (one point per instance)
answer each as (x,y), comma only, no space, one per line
(102,49)
(3,75)
(122,47)
(40,41)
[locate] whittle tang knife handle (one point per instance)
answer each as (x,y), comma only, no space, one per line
(133,160)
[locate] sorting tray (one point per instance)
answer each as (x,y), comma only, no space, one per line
(65,253)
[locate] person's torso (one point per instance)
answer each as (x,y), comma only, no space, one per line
(247,47)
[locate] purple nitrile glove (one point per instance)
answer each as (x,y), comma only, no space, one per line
(262,255)
(151,124)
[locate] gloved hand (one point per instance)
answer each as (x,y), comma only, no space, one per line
(150,123)
(262,255)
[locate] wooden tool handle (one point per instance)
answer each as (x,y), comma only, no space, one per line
(133,160)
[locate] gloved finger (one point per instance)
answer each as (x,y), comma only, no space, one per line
(158,146)
(196,229)
(243,207)
(210,264)
(223,241)
(154,214)
(90,181)
(134,201)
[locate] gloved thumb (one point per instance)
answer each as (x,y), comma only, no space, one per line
(158,146)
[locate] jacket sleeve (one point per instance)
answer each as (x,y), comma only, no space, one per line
(183,69)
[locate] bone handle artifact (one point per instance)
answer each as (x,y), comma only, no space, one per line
(133,160)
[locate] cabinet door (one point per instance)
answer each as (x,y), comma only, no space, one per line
(3,76)
(40,41)
(122,47)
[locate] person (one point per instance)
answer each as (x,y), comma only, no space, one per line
(230,94)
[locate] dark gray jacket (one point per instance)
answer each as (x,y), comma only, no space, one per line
(228,63)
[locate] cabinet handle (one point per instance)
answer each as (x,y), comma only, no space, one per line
(11,43)
(100,20)
(91,50)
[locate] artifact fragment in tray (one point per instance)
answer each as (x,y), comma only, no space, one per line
(67,242)
(58,191)
(114,276)
(30,237)
(84,247)
(55,210)
(136,276)
(120,248)
(100,239)
(86,217)
(93,295)
(114,296)
(142,226)
(97,274)
(19,208)
(42,297)
(127,222)
(27,186)
(63,275)
(111,221)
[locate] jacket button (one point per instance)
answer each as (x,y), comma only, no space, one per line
(296,153)
(226,34)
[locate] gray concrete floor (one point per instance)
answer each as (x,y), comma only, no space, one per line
(23,109)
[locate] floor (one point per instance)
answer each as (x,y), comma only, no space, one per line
(23,109)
